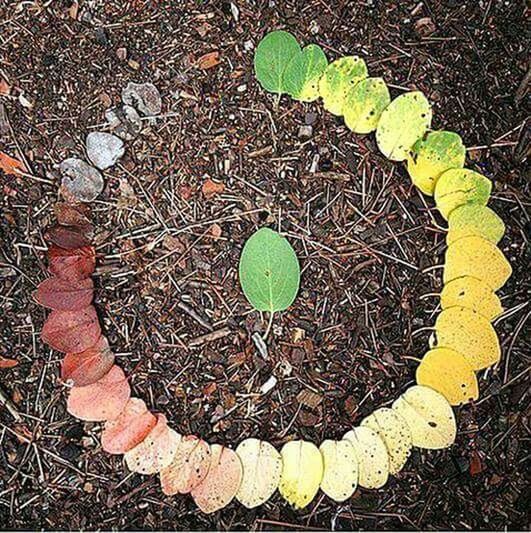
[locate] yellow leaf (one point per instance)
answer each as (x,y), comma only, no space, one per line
(473,294)
(478,258)
(373,459)
(449,373)
(262,466)
(302,472)
(394,432)
(340,477)
(459,186)
(474,220)
(468,333)
(429,416)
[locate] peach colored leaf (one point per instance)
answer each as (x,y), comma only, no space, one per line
(209,60)
(102,400)
(71,331)
(5,88)
(10,165)
(70,236)
(222,481)
(72,264)
(5,362)
(212,188)
(89,366)
(129,429)
(156,451)
(189,466)
(63,295)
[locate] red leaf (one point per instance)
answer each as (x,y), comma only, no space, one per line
(70,236)
(7,363)
(103,400)
(72,214)
(71,331)
(89,366)
(72,265)
(10,165)
(129,429)
(64,295)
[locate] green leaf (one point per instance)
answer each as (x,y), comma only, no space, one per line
(272,56)
(364,105)
(432,155)
(269,271)
(403,122)
(301,79)
(338,78)
(474,219)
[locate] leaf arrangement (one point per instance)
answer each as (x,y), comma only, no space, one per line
(269,271)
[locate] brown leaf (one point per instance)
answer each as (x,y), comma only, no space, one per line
(10,165)
(7,363)
(129,429)
(89,366)
(72,214)
(70,236)
(103,400)
(209,60)
(5,88)
(71,331)
(215,231)
(309,398)
(64,295)
(73,264)
(212,188)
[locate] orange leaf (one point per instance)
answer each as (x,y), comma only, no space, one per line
(209,60)
(71,331)
(129,429)
(64,295)
(103,400)
(89,366)
(7,363)
(189,467)
(156,451)
(5,88)
(222,481)
(10,165)
(73,264)
(212,188)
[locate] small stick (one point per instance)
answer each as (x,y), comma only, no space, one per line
(208,337)
(6,402)
(195,315)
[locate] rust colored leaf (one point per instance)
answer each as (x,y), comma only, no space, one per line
(156,451)
(129,429)
(10,165)
(189,467)
(5,88)
(71,331)
(212,188)
(209,60)
(73,264)
(70,236)
(64,295)
(222,481)
(103,400)
(72,214)
(87,367)
(5,362)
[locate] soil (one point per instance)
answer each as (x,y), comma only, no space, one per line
(168,253)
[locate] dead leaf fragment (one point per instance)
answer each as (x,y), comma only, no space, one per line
(212,188)
(209,60)
(11,166)
(5,88)
(5,362)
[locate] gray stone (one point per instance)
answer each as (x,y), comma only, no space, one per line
(305,132)
(80,179)
(144,96)
(104,149)
(125,122)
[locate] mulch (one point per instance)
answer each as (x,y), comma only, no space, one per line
(168,248)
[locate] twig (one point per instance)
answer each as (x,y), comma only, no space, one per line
(6,402)
(209,337)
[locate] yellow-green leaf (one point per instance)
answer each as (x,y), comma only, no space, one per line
(429,416)
(338,78)
(302,472)
(340,477)
(303,73)
(475,220)
(449,373)
(394,432)
(473,294)
(478,258)
(468,333)
(432,155)
(262,467)
(460,186)
(364,104)
(373,459)
(405,120)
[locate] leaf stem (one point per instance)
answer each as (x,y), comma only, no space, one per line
(269,324)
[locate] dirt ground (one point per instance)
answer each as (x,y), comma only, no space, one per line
(168,255)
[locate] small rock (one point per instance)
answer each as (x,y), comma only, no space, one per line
(305,132)
(101,36)
(425,26)
(310,118)
(80,179)
(121,53)
(104,149)
(124,121)
(144,96)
